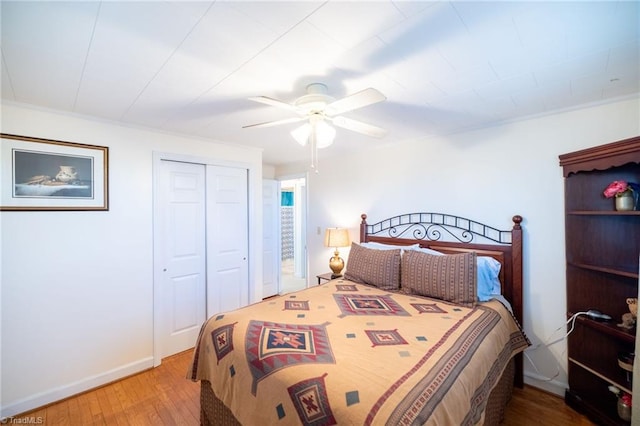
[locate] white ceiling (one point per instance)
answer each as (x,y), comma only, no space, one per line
(189,67)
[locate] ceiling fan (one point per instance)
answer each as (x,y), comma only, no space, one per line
(318,108)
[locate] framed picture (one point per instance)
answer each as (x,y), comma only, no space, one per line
(43,174)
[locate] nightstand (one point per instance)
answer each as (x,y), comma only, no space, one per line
(324,277)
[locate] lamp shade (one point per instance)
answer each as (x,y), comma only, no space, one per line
(336,237)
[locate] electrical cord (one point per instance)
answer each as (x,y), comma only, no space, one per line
(546,344)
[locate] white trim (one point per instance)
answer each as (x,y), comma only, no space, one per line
(552,386)
(74,388)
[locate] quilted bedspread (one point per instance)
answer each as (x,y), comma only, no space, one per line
(346,353)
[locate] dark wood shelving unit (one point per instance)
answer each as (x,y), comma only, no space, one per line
(608,327)
(599,213)
(602,251)
(614,270)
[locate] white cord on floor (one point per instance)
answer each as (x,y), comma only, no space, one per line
(571,320)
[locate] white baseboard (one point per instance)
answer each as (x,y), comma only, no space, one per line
(62,392)
(540,382)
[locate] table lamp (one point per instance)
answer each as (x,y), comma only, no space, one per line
(336,237)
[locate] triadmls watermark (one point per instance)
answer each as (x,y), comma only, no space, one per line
(28,420)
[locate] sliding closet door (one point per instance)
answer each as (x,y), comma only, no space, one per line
(181,234)
(201,233)
(227,239)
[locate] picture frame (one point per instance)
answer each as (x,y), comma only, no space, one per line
(47,175)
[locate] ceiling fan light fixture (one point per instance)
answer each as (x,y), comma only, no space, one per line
(301,134)
(325,134)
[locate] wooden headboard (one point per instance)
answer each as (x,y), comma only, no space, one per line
(453,234)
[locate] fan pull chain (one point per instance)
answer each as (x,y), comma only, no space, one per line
(314,147)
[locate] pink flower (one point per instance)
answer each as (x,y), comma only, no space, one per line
(616,187)
(626,398)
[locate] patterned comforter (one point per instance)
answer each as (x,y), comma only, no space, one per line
(346,353)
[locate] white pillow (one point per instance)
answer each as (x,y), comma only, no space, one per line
(427,250)
(488,277)
(487,269)
(381,246)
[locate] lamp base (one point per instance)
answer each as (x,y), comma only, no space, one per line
(334,276)
(336,264)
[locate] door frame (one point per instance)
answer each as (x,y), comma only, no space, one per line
(277,224)
(305,209)
(254,192)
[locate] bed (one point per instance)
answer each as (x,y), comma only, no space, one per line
(423,328)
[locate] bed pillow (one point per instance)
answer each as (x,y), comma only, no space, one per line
(488,270)
(380,268)
(382,246)
(489,285)
(449,277)
(427,250)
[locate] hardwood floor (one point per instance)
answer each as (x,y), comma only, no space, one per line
(163,396)
(530,406)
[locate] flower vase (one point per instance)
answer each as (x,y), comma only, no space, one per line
(625,202)
(624,410)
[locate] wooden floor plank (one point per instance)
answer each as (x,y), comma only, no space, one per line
(530,406)
(164,397)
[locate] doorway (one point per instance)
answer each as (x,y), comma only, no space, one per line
(293,225)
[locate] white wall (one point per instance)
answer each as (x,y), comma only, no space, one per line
(268,171)
(77,287)
(488,175)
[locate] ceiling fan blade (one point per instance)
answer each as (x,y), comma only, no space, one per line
(273,102)
(357,100)
(277,122)
(359,126)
